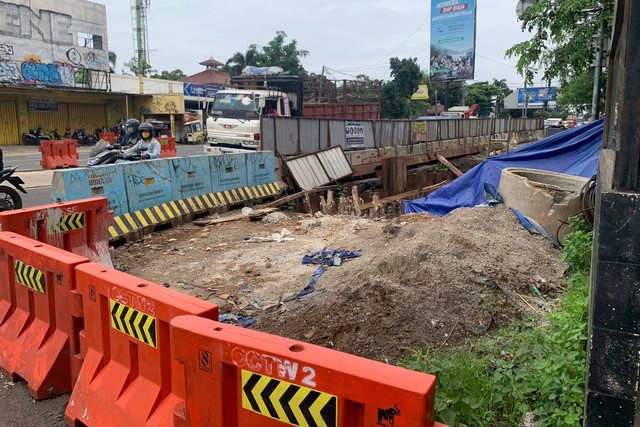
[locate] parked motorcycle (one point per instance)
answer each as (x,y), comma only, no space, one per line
(55,133)
(34,136)
(9,198)
(80,134)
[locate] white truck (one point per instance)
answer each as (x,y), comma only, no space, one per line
(234,116)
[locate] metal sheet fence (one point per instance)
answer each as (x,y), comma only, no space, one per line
(291,136)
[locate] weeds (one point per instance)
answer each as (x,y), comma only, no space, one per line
(525,368)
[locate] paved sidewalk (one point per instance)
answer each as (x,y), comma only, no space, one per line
(36,179)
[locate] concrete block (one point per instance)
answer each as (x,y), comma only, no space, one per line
(613,363)
(547,197)
(148,183)
(607,411)
(228,172)
(190,176)
(260,168)
(98,181)
(616,296)
(618,236)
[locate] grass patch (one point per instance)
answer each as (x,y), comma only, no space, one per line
(533,367)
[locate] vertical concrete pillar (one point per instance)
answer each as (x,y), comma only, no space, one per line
(613,364)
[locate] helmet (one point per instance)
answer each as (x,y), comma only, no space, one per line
(131,126)
(146,127)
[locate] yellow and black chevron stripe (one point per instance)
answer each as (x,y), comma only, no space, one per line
(74,221)
(166,212)
(123,225)
(289,403)
(30,277)
(134,323)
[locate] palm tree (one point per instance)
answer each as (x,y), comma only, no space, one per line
(238,61)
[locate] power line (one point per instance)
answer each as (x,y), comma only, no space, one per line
(400,45)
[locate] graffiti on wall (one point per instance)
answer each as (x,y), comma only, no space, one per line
(41,46)
(31,70)
(162,104)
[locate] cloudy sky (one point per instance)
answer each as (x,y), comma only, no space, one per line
(347,37)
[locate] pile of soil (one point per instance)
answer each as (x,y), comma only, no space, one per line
(421,281)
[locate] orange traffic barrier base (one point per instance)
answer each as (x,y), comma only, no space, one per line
(237,377)
(80,226)
(59,153)
(40,315)
(128,376)
(110,137)
(167,147)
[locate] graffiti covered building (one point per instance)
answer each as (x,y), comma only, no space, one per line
(52,53)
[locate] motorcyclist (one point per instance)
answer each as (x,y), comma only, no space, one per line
(131,135)
(147,141)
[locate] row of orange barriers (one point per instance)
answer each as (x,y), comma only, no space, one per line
(59,153)
(132,352)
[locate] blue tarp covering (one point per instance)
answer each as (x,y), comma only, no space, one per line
(574,152)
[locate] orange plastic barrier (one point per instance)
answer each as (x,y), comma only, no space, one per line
(128,376)
(59,153)
(80,226)
(168,147)
(242,378)
(40,315)
(110,137)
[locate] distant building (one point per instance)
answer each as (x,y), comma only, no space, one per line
(210,76)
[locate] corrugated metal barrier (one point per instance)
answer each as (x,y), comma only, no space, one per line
(290,136)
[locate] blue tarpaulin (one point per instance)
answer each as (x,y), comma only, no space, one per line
(573,152)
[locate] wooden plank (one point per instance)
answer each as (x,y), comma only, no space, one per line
(255,213)
(448,164)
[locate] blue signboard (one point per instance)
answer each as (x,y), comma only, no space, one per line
(536,96)
(453,39)
(201,91)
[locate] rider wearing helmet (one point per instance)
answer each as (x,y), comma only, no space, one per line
(131,133)
(146,141)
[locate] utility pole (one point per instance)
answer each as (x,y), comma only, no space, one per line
(595,100)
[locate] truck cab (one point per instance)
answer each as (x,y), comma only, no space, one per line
(234,116)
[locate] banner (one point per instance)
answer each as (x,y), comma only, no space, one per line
(354,132)
(536,96)
(453,39)
(421,94)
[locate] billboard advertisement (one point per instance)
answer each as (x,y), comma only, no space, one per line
(536,96)
(453,39)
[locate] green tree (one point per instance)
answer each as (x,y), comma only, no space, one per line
(138,69)
(287,56)
(176,74)
(239,60)
(276,53)
(576,95)
(564,37)
(396,95)
(484,94)
(503,92)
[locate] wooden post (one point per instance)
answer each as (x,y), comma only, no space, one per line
(394,176)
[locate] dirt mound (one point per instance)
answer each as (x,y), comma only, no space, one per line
(421,281)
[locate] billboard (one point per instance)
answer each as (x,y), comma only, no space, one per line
(453,39)
(536,96)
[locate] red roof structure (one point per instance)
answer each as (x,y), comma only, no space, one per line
(210,76)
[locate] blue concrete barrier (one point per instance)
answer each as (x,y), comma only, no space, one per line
(132,187)
(261,168)
(148,183)
(190,176)
(81,183)
(228,172)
